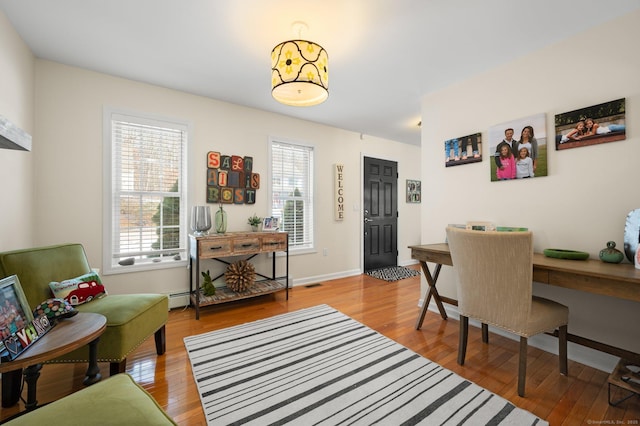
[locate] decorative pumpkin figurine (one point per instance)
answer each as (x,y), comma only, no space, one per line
(221,221)
(611,254)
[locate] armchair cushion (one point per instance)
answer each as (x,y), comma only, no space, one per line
(117,400)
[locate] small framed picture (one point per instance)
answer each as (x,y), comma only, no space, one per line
(413,191)
(270,224)
(15,316)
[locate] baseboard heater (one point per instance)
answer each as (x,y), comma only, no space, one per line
(179,300)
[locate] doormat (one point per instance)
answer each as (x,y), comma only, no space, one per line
(393,273)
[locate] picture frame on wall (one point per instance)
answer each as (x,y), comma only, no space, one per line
(463,150)
(596,124)
(523,145)
(414,190)
(270,224)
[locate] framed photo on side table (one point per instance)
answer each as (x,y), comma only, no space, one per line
(15,317)
(270,224)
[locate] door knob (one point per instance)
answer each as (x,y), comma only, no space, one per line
(367,220)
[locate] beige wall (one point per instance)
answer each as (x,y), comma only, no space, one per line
(69,171)
(16,167)
(584,200)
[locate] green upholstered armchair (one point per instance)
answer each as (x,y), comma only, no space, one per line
(131,318)
(116,401)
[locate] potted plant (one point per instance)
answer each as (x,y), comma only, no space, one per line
(254,221)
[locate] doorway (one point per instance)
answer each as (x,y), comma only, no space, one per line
(380,213)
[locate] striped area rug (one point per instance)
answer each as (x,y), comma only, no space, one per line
(317,366)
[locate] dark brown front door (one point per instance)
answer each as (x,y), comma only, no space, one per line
(380,213)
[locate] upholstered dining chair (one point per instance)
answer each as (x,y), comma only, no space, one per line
(494,278)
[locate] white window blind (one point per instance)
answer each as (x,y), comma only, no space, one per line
(147,211)
(292,192)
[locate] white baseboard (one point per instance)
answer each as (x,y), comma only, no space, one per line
(318,278)
(582,354)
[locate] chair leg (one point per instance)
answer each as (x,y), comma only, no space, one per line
(522,366)
(562,350)
(161,342)
(485,333)
(462,345)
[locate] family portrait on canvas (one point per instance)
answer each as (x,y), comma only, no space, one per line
(519,149)
(592,125)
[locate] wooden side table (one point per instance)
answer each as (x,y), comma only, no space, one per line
(67,335)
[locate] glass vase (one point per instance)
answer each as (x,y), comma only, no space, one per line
(200,220)
(221,221)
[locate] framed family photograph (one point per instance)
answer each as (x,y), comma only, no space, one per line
(413,191)
(518,149)
(270,224)
(463,150)
(592,125)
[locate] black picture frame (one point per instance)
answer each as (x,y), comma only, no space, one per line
(15,313)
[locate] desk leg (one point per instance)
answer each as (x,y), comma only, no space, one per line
(11,381)
(31,374)
(431,292)
(93,371)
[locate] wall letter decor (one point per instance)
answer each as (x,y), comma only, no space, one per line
(230,179)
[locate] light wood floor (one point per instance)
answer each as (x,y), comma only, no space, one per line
(389,308)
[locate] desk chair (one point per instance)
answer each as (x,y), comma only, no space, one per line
(494,275)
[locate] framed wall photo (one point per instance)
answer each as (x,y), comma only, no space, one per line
(518,149)
(270,224)
(463,150)
(414,189)
(592,125)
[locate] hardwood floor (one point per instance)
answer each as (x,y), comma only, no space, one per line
(389,308)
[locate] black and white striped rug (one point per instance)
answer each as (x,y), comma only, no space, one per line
(317,366)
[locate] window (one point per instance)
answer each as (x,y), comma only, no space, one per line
(145,192)
(291,168)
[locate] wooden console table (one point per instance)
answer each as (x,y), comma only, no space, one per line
(222,246)
(592,276)
(67,335)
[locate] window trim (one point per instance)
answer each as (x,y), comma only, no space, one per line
(107,222)
(272,139)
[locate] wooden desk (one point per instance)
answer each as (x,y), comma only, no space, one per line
(592,276)
(67,335)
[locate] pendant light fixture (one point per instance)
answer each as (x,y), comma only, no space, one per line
(299,71)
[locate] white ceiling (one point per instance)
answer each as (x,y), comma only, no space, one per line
(384,55)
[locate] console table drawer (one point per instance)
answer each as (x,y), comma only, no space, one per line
(277,242)
(246,245)
(210,249)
